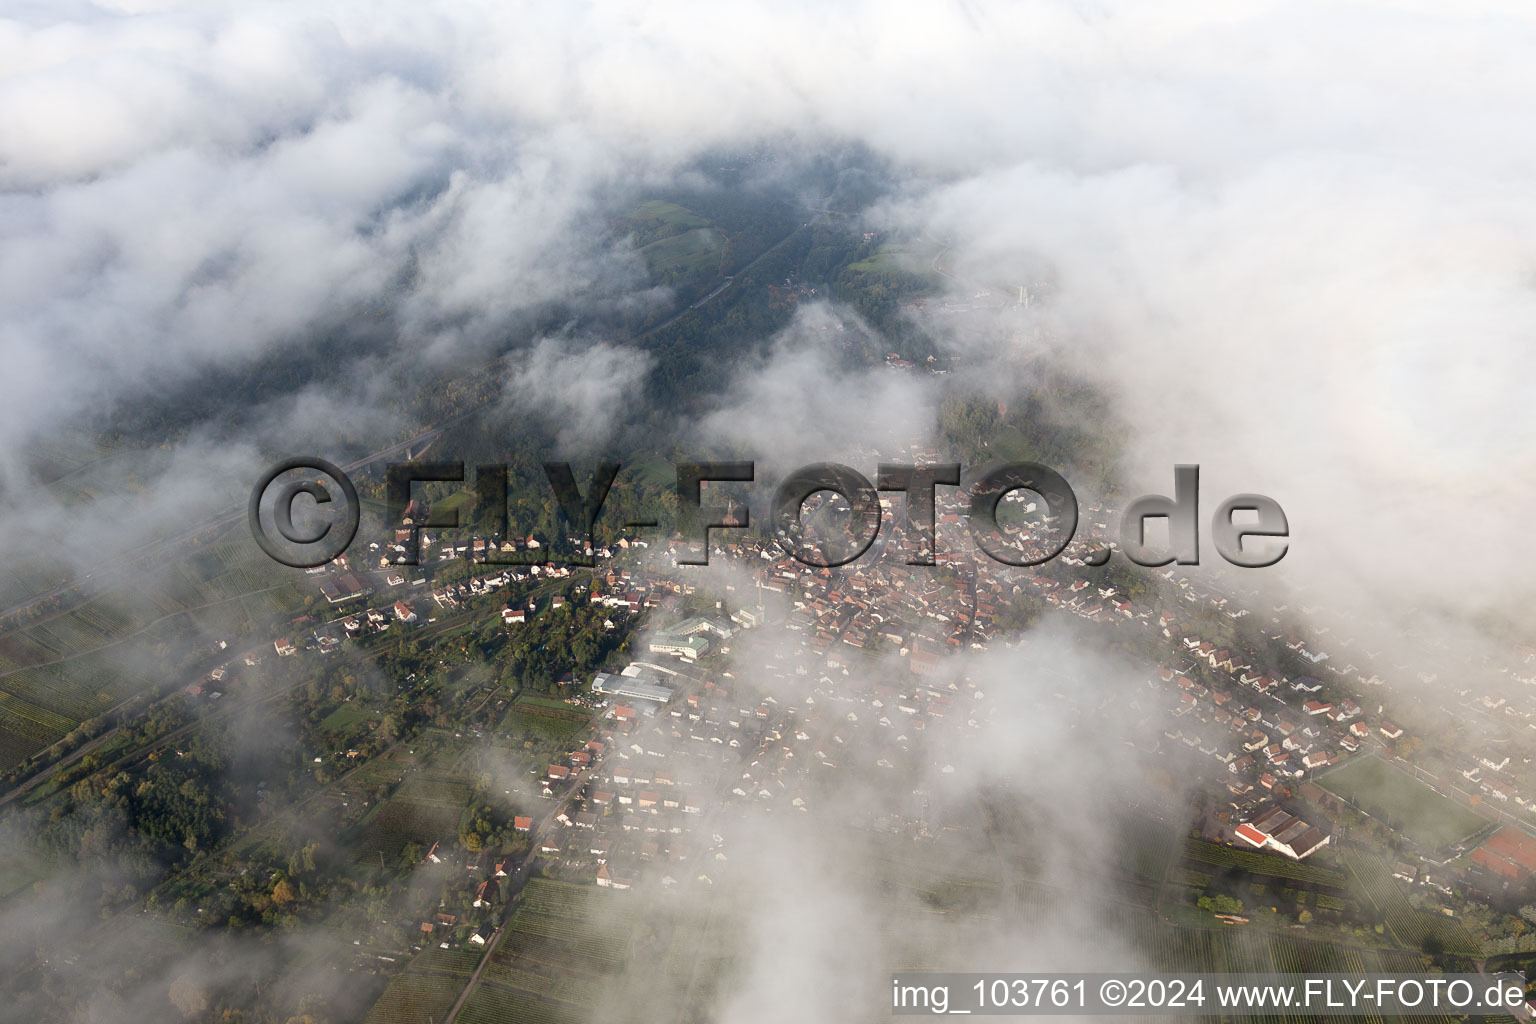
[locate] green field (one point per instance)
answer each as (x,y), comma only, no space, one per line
(676,243)
(889,260)
(531,702)
(1402,803)
(344,717)
(693,252)
(896,265)
(657,218)
(656,472)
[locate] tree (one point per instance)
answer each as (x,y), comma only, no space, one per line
(284,893)
(1220,904)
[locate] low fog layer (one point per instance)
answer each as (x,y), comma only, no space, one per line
(1294,244)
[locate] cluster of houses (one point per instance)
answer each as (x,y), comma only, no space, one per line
(486,872)
(1257,724)
(636,812)
(345,587)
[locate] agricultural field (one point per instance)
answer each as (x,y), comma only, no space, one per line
(26,727)
(533,704)
(1165,946)
(1143,859)
(489,1005)
(402,821)
(75,664)
(564,945)
(433,787)
(1414,928)
(1255,862)
(415,996)
(1402,803)
(545,717)
(937,875)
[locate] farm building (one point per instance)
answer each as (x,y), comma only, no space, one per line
(1283,832)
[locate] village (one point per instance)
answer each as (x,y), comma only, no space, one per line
(798,676)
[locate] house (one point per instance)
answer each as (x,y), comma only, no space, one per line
(487,893)
(512,616)
(609,880)
(522,823)
(559,772)
(283,646)
(1389,730)
(403,612)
